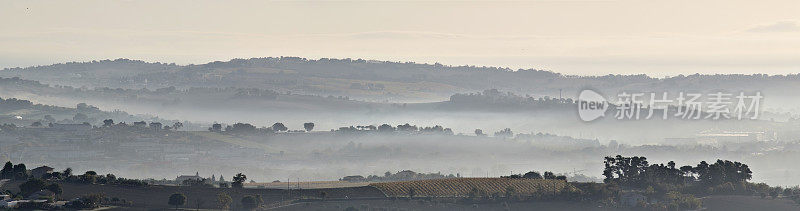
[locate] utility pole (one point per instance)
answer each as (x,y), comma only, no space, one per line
(299,190)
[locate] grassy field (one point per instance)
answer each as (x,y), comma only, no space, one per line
(744,203)
(461,187)
(403,204)
(156,197)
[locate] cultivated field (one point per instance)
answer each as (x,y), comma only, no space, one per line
(462,187)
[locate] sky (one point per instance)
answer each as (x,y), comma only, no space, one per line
(580,37)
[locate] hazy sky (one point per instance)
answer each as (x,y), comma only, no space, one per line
(575,37)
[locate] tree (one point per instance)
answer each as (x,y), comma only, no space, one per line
(177,199)
(111,177)
(532,175)
(67,172)
(216,127)
(238,180)
(279,127)
(31,186)
(198,203)
(504,133)
(20,172)
(252,202)
(308,126)
(549,175)
(223,201)
(8,171)
(55,188)
(108,123)
(411,193)
(177,125)
(241,127)
(479,132)
(385,128)
(86,202)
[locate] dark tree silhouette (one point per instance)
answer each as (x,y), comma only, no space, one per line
(8,171)
(67,172)
(252,201)
(177,125)
(108,123)
(238,180)
(636,172)
(55,188)
(479,132)
(385,128)
(532,175)
(504,133)
(279,127)
(308,126)
(31,186)
(177,199)
(216,127)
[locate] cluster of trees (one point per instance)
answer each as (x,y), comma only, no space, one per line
(405,175)
(20,172)
(223,201)
(244,128)
(249,128)
(637,172)
(494,98)
(14,104)
(34,185)
(109,123)
(16,172)
(537,175)
(86,202)
(676,185)
(51,181)
(504,133)
(404,128)
(91,177)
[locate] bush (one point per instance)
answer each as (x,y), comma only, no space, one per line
(90,201)
(683,201)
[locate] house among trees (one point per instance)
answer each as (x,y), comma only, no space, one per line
(182,178)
